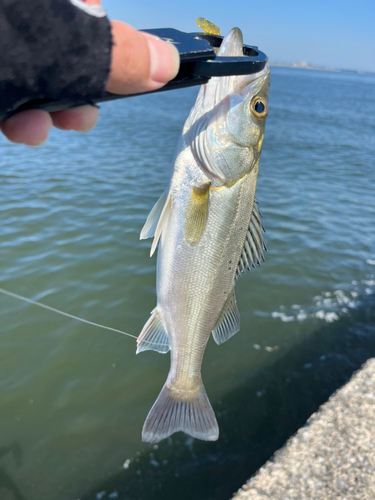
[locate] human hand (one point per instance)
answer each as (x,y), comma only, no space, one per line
(140,62)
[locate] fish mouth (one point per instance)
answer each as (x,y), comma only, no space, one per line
(219,88)
(247,80)
(232,46)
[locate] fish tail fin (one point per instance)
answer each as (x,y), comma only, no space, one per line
(171,413)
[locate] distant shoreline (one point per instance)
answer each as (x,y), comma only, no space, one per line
(305,65)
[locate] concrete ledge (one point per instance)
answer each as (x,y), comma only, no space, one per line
(332,456)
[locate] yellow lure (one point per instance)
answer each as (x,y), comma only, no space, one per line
(208,27)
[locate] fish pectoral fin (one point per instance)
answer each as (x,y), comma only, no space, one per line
(196,213)
(153,336)
(148,230)
(228,323)
(252,252)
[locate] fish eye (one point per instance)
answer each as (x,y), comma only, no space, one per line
(258,107)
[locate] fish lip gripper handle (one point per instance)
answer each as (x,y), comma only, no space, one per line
(198,63)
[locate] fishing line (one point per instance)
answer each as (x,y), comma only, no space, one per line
(34,303)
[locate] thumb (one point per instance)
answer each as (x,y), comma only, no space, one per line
(140,62)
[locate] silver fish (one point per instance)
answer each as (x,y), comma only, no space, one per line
(209,231)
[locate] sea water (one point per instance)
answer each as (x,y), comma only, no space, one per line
(73,398)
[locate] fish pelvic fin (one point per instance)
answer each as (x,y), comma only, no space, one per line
(252,252)
(148,230)
(156,219)
(162,221)
(228,323)
(153,336)
(187,411)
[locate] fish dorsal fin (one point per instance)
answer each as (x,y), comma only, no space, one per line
(228,323)
(153,336)
(252,252)
(148,230)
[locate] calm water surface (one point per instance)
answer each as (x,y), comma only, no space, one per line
(73,398)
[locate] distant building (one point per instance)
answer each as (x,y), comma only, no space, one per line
(302,64)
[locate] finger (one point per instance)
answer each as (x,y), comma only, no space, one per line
(93,2)
(28,127)
(140,62)
(81,118)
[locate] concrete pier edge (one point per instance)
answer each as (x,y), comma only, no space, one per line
(332,456)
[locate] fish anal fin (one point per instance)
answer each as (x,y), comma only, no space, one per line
(162,221)
(228,323)
(148,230)
(190,413)
(252,251)
(153,336)
(196,213)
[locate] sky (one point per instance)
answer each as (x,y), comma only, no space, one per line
(332,33)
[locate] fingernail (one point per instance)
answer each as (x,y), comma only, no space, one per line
(165,60)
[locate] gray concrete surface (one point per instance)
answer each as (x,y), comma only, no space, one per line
(332,456)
